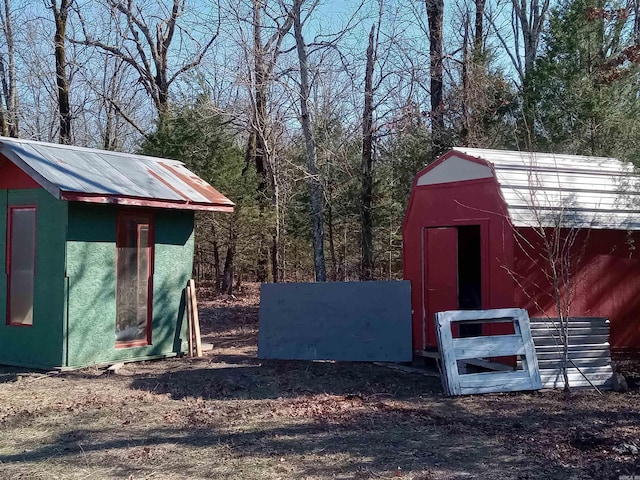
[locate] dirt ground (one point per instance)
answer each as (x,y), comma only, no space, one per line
(231,416)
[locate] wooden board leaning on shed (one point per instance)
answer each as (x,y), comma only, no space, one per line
(589,353)
(518,344)
(193,331)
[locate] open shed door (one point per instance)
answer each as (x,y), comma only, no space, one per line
(453,276)
(440,282)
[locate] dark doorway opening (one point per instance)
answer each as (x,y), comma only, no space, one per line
(469,276)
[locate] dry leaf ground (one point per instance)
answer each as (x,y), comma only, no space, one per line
(230,416)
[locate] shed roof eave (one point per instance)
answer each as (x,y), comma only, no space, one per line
(50,187)
(98,176)
(146,202)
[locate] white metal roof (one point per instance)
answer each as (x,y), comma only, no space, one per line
(90,175)
(557,190)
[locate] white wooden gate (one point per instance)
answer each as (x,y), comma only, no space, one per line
(518,344)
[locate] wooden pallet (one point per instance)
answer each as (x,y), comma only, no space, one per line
(461,350)
(588,350)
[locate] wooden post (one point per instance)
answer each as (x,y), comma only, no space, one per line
(196,319)
(189,321)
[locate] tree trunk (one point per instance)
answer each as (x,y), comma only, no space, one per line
(435,12)
(10,125)
(275,243)
(530,19)
(315,186)
(478,36)
(635,7)
(465,130)
(4,128)
(259,150)
(262,262)
(332,243)
(216,257)
(62,81)
(227,274)
(366,187)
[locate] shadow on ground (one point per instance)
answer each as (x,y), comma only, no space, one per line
(286,379)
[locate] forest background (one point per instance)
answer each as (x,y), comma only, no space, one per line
(314,117)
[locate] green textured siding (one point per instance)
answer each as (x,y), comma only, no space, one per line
(42,344)
(91,253)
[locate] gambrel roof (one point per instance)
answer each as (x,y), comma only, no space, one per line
(546,189)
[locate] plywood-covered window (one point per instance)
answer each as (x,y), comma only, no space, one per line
(134,265)
(21,264)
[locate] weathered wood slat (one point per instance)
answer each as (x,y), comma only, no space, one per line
(573,340)
(494,346)
(495,315)
(576,355)
(195,318)
(572,323)
(554,379)
(486,382)
(602,347)
(574,375)
(580,362)
(572,320)
(541,332)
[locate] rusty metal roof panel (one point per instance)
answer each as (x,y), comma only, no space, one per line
(571,191)
(83,174)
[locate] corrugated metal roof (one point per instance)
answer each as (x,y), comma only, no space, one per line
(545,189)
(90,175)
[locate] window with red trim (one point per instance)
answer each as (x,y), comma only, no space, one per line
(134,245)
(21,264)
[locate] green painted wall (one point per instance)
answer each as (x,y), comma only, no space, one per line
(40,345)
(91,252)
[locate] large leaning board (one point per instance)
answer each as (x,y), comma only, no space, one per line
(349,321)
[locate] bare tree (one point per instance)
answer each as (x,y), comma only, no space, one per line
(60,16)
(530,17)
(147,45)
(478,34)
(315,186)
(555,245)
(259,152)
(366,188)
(9,122)
(435,13)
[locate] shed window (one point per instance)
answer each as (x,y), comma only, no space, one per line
(21,264)
(134,244)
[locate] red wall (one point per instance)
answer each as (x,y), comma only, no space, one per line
(11,177)
(605,279)
(475,202)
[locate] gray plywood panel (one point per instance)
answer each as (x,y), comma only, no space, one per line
(349,321)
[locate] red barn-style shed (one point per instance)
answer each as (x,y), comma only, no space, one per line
(485,229)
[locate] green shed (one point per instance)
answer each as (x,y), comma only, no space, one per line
(97,248)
